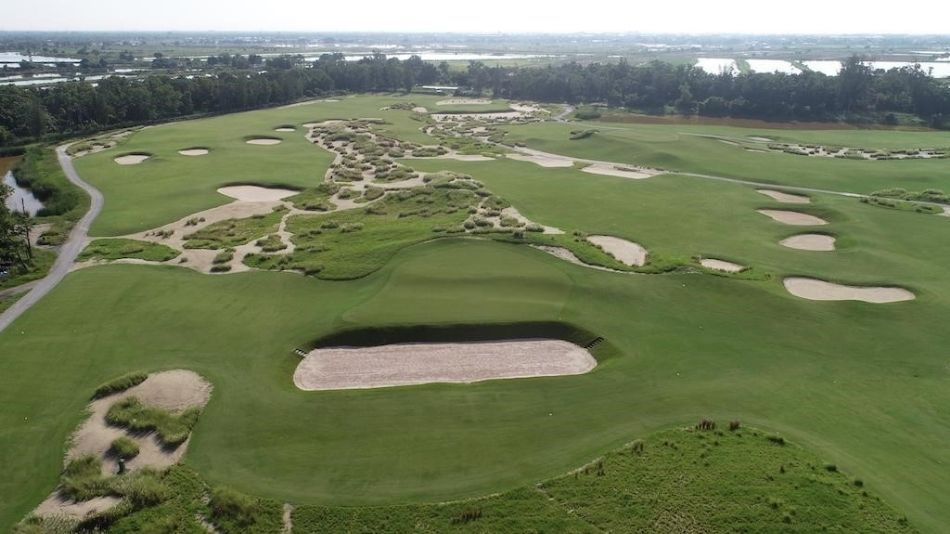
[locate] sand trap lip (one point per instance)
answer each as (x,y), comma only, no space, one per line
(626,252)
(793,218)
(788,198)
(131,159)
(721,265)
(254,193)
(407,364)
(194,152)
(618,171)
(264,141)
(814,289)
(813,242)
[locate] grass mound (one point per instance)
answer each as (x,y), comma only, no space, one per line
(234,232)
(114,249)
(172,429)
(119,384)
(124,448)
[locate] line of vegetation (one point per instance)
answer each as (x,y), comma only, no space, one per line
(902,205)
(119,384)
(927,195)
(858,91)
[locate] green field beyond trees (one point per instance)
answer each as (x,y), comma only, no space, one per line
(858,390)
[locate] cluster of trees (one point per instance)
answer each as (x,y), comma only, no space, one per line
(657,87)
(27,112)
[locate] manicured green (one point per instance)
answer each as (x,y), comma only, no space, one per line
(114,249)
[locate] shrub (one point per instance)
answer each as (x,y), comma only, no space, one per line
(776,439)
(119,384)
(831,468)
(233,507)
(734,426)
(224,256)
(124,448)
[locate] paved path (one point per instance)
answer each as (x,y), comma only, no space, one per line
(67,252)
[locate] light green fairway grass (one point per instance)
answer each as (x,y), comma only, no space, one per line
(675,148)
(691,345)
(169,186)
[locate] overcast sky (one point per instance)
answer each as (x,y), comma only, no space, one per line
(490,16)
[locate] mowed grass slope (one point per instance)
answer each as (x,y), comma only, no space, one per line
(692,346)
(684,148)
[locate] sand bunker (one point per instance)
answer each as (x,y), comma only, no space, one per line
(420,109)
(543,160)
(131,159)
(464,102)
(626,252)
(814,242)
(619,171)
(264,141)
(253,193)
(812,289)
(426,363)
(793,218)
(193,152)
(285,129)
(721,265)
(785,197)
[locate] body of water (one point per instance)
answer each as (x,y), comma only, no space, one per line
(21,197)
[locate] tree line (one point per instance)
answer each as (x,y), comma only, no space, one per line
(75,107)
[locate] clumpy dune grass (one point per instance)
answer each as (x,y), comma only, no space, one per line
(114,249)
(124,448)
(119,384)
(234,232)
(171,429)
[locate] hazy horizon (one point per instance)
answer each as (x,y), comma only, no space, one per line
(487,17)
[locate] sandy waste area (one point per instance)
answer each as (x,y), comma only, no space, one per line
(194,152)
(425,363)
(174,391)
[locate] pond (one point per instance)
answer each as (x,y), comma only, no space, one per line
(21,197)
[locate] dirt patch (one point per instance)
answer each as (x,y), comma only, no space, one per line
(721,265)
(785,197)
(253,193)
(793,218)
(626,252)
(194,152)
(264,141)
(620,171)
(812,289)
(464,102)
(426,363)
(813,242)
(131,159)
